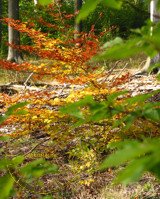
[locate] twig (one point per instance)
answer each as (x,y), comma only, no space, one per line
(110,71)
(30,151)
(116,76)
(28,78)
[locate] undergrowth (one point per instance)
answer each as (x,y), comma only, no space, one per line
(56,139)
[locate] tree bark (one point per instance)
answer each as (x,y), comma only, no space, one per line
(77,26)
(154,17)
(35,2)
(13,35)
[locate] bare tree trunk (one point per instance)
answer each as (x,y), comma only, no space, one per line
(154,17)
(13,35)
(0,24)
(35,2)
(77,26)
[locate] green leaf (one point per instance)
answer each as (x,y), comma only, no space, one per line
(100,115)
(17,160)
(74,108)
(150,162)
(6,185)
(114,96)
(45,2)
(88,7)
(3,118)
(129,119)
(158,5)
(38,168)
(121,144)
(138,98)
(153,114)
(155,170)
(129,151)
(4,163)
(50,168)
(140,156)
(13,108)
(5,137)
(133,171)
(111,43)
(34,168)
(48,197)
(116,4)
(21,112)
(158,77)
(121,50)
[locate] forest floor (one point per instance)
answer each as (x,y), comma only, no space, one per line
(102,187)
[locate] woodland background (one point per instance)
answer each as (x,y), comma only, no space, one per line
(75,120)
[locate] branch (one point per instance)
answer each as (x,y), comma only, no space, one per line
(30,151)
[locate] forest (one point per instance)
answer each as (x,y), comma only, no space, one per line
(79,99)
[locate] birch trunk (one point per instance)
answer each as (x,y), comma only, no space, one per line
(154,17)
(35,2)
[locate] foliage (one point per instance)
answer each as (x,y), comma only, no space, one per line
(15,170)
(58,20)
(124,112)
(18,173)
(45,2)
(13,110)
(140,156)
(80,123)
(147,151)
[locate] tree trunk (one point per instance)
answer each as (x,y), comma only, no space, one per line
(0,24)
(154,17)
(13,35)
(35,2)
(77,26)
(153,13)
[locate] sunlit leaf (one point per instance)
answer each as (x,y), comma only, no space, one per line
(132,172)
(121,50)
(88,7)
(12,108)
(17,160)
(138,98)
(129,152)
(38,168)
(6,185)
(45,2)
(111,43)
(34,168)
(114,96)
(116,4)
(3,118)
(138,156)
(4,163)
(74,108)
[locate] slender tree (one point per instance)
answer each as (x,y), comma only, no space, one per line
(154,17)
(13,35)
(78,26)
(35,2)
